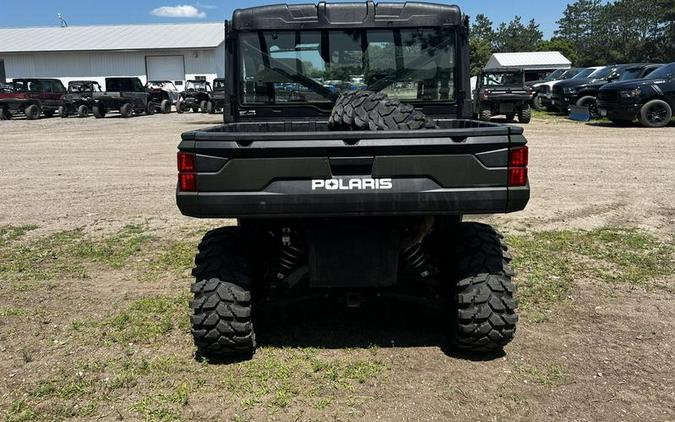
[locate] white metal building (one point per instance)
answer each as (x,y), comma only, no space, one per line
(176,52)
(535,63)
(535,60)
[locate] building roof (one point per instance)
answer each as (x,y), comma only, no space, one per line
(534,60)
(113,37)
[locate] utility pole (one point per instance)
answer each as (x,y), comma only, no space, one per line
(64,24)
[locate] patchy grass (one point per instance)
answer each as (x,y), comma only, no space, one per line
(165,385)
(143,321)
(549,262)
(11,312)
(11,233)
(551,374)
(279,377)
(65,255)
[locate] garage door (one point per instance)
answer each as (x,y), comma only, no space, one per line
(165,68)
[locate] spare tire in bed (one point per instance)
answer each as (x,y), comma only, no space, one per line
(367,110)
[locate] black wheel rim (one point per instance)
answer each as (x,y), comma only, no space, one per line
(657,113)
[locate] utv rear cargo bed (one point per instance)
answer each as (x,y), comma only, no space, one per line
(301,169)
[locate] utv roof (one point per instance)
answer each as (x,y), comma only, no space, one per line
(346,15)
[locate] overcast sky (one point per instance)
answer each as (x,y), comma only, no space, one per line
(16,13)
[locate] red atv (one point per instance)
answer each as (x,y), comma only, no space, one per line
(31,97)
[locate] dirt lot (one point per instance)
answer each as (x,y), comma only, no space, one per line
(94,277)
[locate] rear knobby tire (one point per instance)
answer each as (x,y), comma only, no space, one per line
(126,110)
(82,111)
(525,114)
(483,312)
(165,107)
(203,106)
(485,115)
(98,111)
(5,114)
(366,110)
(179,107)
(221,311)
(32,112)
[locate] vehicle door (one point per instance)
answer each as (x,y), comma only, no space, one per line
(55,94)
(141,95)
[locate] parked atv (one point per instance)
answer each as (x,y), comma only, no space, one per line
(126,95)
(217,97)
(503,91)
(163,94)
(32,98)
(80,98)
(196,97)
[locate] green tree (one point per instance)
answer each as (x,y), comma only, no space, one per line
(481,39)
(515,36)
(565,47)
(479,53)
(584,25)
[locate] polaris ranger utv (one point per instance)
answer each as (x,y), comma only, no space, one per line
(503,91)
(351,194)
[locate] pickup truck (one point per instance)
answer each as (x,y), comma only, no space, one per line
(32,98)
(651,99)
(583,92)
(351,194)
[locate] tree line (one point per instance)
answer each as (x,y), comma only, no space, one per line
(589,33)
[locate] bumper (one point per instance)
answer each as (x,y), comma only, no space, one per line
(562,102)
(435,202)
(618,111)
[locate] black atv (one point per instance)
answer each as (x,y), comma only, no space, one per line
(163,94)
(217,97)
(196,97)
(79,99)
(503,91)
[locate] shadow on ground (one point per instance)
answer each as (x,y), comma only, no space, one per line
(381,322)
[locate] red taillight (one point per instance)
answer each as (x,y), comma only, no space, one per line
(187,179)
(518,160)
(186,162)
(518,176)
(518,157)
(187,182)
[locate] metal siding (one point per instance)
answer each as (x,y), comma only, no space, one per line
(97,66)
(117,37)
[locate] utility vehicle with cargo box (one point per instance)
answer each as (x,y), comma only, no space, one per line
(32,98)
(651,100)
(217,96)
(503,91)
(195,97)
(79,99)
(351,194)
(126,95)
